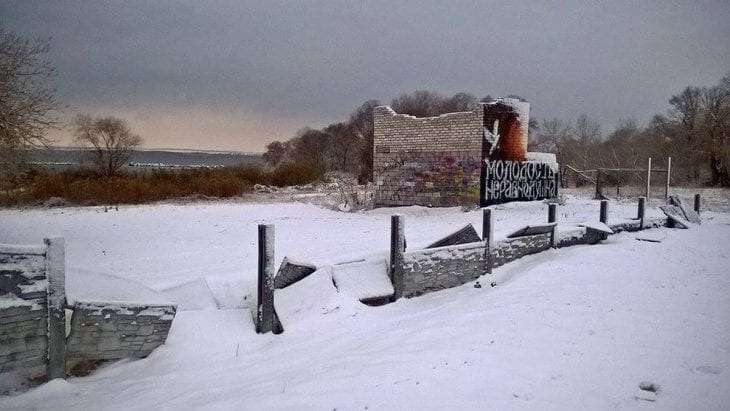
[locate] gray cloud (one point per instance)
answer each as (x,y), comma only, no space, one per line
(317,61)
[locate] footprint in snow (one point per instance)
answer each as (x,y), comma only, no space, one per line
(648,391)
(708,369)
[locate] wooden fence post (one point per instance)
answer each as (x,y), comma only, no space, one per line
(487,235)
(397,248)
(56,273)
(669,175)
(553,218)
(698,204)
(265,317)
(603,216)
(641,211)
(648,179)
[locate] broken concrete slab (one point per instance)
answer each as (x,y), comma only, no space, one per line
(675,216)
(466,235)
(529,230)
(688,213)
(292,271)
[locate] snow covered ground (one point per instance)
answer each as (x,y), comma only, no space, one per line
(576,328)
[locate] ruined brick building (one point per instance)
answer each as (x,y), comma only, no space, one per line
(477,157)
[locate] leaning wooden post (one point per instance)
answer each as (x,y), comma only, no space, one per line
(487,235)
(698,201)
(603,216)
(553,218)
(669,175)
(648,179)
(265,305)
(56,273)
(397,248)
(642,211)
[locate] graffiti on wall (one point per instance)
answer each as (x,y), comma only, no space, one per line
(518,181)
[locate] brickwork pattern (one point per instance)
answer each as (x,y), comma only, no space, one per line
(23,317)
(105,331)
(433,161)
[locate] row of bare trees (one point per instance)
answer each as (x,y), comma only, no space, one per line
(348,146)
(28,108)
(694,132)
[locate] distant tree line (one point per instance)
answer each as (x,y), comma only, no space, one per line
(694,132)
(348,146)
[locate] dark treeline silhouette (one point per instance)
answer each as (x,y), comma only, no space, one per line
(694,132)
(348,146)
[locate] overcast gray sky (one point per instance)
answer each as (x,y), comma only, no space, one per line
(237,74)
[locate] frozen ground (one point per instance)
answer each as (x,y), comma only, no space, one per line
(577,328)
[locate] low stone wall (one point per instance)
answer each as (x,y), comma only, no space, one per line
(511,249)
(443,267)
(33,342)
(23,315)
(105,331)
(439,268)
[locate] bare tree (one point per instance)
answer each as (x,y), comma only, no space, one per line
(110,139)
(587,135)
(27,105)
(275,152)
(716,130)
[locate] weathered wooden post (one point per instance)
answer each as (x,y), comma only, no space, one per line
(553,218)
(487,235)
(648,179)
(56,272)
(669,175)
(642,211)
(603,216)
(397,248)
(265,317)
(698,201)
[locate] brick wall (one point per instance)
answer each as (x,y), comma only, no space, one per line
(433,161)
(106,331)
(23,315)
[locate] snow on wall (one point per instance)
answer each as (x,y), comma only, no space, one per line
(443,267)
(23,315)
(98,330)
(112,331)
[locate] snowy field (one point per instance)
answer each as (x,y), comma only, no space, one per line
(576,328)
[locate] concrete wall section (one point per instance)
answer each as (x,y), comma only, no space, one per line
(105,331)
(445,267)
(509,250)
(440,268)
(432,161)
(23,315)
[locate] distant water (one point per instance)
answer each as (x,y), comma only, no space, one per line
(72,157)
